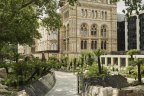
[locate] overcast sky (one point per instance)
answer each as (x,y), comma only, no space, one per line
(121,6)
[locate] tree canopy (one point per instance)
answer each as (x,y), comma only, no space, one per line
(19,19)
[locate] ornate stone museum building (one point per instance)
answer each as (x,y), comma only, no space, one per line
(89,25)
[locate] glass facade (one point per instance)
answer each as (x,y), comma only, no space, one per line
(141,17)
(132,39)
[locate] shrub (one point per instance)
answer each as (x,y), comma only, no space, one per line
(94,72)
(29,70)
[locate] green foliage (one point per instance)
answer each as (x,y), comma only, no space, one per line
(142,70)
(94,72)
(98,52)
(24,72)
(53,62)
(64,60)
(131,71)
(132,52)
(20,19)
(87,57)
(135,83)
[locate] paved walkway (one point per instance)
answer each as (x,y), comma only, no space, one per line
(66,85)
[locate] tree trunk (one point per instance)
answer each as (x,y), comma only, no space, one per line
(99,65)
(139,73)
(132,58)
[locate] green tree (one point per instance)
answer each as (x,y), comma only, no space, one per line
(98,53)
(94,72)
(138,62)
(132,52)
(19,19)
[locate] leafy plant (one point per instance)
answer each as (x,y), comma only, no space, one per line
(94,72)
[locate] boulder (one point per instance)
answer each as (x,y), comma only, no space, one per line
(22,93)
(3,73)
(3,86)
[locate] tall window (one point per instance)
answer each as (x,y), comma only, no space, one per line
(53,35)
(96,14)
(93,44)
(106,15)
(82,12)
(68,44)
(54,46)
(86,13)
(93,14)
(103,44)
(83,44)
(64,44)
(102,15)
(67,29)
(103,30)
(64,30)
(84,29)
(66,14)
(93,29)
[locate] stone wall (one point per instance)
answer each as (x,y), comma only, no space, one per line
(109,91)
(41,87)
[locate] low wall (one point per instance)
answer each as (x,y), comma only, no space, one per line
(41,87)
(109,91)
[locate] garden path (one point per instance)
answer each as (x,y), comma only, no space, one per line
(66,85)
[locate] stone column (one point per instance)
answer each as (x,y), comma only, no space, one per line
(137,33)
(112,61)
(106,63)
(126,34)
(127,61)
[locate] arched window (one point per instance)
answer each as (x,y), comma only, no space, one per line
(93,29)
(84,29)
(103,30)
